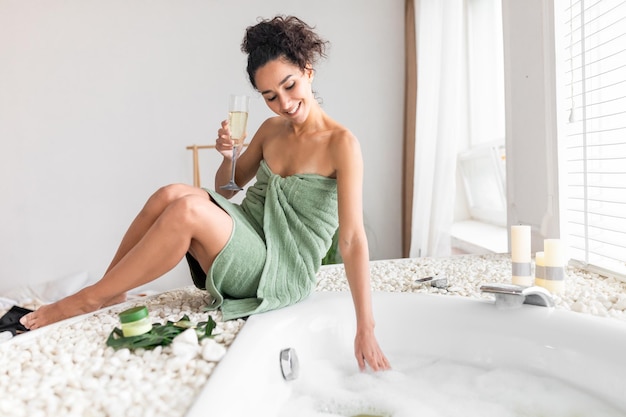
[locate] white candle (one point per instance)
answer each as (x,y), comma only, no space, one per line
(540,259)
(540,264)
(554,260)
(540,269)
(520,244)
(520,256)
(554,252)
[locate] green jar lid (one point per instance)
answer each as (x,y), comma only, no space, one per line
(133,314)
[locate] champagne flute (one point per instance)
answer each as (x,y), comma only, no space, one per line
(237,121)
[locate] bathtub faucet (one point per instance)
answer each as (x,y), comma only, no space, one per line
(511,295)
(436,281)
(289,364)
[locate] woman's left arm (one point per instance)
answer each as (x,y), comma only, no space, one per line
(354,249)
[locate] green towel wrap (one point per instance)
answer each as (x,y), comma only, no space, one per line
(281,231)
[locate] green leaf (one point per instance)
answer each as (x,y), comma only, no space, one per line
(160,335)
(185,323)
(210,327)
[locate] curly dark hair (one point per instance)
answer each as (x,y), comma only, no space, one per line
(281,37)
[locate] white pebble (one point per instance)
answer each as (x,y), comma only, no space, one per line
(189,336)
(123,354)
(5,336)
(184,350)
(579,307)
(212,351)
(620,304)
(176,364)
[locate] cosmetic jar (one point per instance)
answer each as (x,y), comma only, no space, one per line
(135,321)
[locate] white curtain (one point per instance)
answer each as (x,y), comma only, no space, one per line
(441,121)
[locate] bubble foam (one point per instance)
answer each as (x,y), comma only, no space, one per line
(430,387)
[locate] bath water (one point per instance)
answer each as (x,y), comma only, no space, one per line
(428,387)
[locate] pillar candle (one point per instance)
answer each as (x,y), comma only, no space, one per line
(540,269)
(554,260)
(520,243)
(520,255)
(554,252)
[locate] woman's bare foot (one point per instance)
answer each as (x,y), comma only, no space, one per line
(74,305)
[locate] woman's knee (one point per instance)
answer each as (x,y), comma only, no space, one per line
(187,208)
(198,215)
(168,194)
(172,192)
(208,226)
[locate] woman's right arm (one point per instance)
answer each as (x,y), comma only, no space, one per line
(247,162)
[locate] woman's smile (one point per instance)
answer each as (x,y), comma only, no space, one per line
(292,112)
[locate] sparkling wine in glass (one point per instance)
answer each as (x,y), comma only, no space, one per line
(237,121)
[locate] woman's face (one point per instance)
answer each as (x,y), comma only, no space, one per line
(286,89)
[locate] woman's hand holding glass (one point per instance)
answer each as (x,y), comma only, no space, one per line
(224,144)
(236,129)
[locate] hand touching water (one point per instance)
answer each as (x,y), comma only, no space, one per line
(368,352)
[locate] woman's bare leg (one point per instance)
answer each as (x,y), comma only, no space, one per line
(191,221)
(154,207)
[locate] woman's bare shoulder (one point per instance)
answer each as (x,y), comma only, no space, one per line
(272,125)
(342,138)
(268,129)
(345,151)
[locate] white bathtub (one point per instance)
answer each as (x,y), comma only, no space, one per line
(586,352)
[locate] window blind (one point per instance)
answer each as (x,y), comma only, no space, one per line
(594,143)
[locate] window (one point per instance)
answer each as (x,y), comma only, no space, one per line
(480,215)
(593,145)
(482,162)
(482,165)
(483,173)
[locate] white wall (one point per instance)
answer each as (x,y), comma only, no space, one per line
(98,100)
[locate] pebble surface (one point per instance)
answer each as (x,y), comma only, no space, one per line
(68,370)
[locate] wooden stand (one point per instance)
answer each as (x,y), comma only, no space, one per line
(196,162)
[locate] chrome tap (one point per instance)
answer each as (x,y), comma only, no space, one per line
(289,364)
(434,281)
(511,295)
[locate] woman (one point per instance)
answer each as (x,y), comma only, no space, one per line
(263,254)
